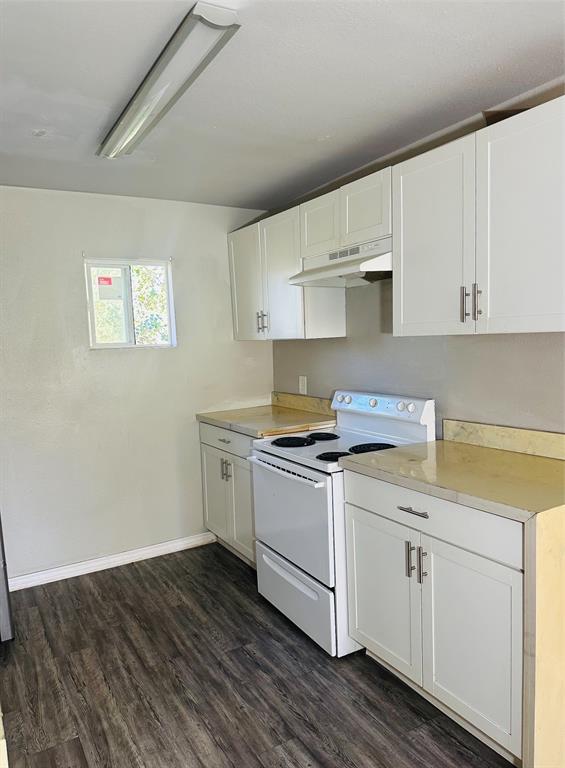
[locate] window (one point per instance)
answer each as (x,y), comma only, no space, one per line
(130,303)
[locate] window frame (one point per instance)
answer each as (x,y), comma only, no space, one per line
(125,264)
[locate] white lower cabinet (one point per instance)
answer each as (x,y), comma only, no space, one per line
(227,489)
(448,619)
(384,604)
(472,639)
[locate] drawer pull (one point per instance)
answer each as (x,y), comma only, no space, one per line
(224,440)
(412,511)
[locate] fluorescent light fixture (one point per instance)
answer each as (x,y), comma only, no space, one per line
(200,36)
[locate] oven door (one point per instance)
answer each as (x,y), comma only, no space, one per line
(294,514)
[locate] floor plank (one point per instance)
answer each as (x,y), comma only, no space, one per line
(177,662)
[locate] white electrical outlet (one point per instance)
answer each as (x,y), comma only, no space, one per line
(303,385)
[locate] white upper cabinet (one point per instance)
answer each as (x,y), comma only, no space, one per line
(262,258)
(433,211)
(520,230)
(319,225)
(364,208)
(280,252)
(246,283)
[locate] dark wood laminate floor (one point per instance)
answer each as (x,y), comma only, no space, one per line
(178,662)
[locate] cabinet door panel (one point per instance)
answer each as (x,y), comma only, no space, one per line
(520,232)
(280,250)
(384,603)
(364,208)
(241,507)
(214,492)
(246,282)
(319,225)
(434,239)
(472,639)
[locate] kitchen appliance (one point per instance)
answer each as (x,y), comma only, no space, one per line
(6,627)
(300,511)
(347,267)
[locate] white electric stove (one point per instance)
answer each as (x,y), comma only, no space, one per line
(299,507)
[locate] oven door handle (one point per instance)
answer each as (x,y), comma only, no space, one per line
(295,477)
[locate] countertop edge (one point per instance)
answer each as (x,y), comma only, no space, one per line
(448,494)
(250,432)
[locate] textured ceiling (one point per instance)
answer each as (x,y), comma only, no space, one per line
(306,90)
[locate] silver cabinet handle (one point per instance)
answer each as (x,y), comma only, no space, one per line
(228,467)
(421,572)
(408,549)
(412,511)
(476,294)
(258,320)
(264,325)
(463,296)
(223,469)
(224,440)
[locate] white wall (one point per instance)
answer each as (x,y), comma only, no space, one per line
(513,379)
(99,448)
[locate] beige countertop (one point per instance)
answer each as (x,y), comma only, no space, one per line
(514,485)
(264,420)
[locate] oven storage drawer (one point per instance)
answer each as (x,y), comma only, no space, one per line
(294,514)
(303,600)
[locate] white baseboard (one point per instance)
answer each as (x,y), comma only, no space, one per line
(109,561)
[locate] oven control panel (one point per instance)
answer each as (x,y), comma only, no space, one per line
(406,407)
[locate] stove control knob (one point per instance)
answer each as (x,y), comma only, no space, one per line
(348,399)
(400,406)
(340,398)
(411,407)
(373,403)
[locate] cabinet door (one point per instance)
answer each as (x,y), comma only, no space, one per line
(383,594)
(246,282)
(319,225)
(433,221)
(520,232)
(214,491)
(364,208)
(280,252)
(472,639)
(241,506)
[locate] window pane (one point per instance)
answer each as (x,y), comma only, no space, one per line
(150,304)
(108,295)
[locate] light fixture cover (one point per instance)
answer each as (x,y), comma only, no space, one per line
(200,36)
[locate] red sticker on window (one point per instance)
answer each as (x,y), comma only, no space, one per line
(104,281)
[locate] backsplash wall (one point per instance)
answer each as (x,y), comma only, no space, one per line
(511,379)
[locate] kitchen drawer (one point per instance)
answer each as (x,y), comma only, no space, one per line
(232,442)
(492,536)
(302,599)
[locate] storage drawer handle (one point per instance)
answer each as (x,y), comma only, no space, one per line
(223,440)
(291,578)
(283,473)
(412,511)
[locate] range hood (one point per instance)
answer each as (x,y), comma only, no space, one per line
(348,267)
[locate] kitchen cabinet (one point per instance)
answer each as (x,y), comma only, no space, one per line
(364,208)
(435,593)
(384,604)
(246,282)
(262,258)
(434,240)
(319,225)
(215,496)
(472,639)
(227,488)
(478,238)
(520,232)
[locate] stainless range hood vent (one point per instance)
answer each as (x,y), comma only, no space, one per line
(347,267)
